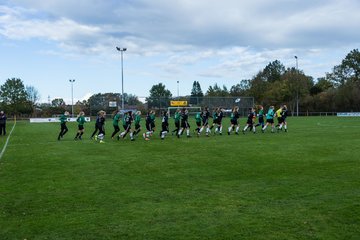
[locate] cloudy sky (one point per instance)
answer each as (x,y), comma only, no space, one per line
(46,43)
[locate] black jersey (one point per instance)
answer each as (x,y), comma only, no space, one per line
(100,121)
(165,121)
(220,116)
(251,116)
(205,117)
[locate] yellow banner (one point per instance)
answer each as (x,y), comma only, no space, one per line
(178,103)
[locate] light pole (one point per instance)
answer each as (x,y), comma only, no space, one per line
(177,89)
(72,96)
(122,76)
(297,87)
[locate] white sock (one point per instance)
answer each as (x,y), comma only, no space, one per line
(180,131)
(237,129)
(188,132)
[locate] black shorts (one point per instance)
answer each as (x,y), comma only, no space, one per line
(205,122)
(270,121)
(148,127)
(137,126)
(185,124)
(177,124)
(249,121)
(280,120)
(63,126)
(127,127)
(234,122)
(165,127)
(81,127)
(261,120)
(198,124)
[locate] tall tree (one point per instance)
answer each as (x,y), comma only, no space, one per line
(348,70)
(159,96)
(273,71)
(33,95)
(196,93)
(58,102)
(13,96)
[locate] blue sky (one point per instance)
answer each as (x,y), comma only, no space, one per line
(46,43)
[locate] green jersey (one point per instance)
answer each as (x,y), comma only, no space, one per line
(137,119)
(198,117)
(152,117)
(81,120)
(270,114)
(116,119)
(215,115)
(261,113)
(63,118)
(177,117)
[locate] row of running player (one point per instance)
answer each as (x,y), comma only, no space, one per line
(181,123)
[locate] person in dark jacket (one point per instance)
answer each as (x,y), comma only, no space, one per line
(2,123)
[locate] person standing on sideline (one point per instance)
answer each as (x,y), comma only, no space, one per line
(2,123)
(63,128)
(81,120)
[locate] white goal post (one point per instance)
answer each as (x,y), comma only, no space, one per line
(192,110)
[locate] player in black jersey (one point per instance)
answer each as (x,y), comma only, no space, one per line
(164,125)
(127,121)
(205,121)
(184,123)
(250,120)
(234,121)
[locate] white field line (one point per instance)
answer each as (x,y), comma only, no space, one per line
(7,141)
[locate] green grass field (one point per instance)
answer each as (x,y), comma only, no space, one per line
(304,184)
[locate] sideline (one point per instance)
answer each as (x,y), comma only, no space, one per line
(7,140)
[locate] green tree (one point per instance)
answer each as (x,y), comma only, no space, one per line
(196,93)
(216,91)
(348,70)
(159,96)
(14,98)
(273,71)
(58,102)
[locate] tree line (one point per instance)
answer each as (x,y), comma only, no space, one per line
(337,91)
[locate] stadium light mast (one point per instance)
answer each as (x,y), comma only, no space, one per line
(122,50)
(177,89)
(72,96)
(297,88)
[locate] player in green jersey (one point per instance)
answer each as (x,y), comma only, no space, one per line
(63,128)
(176,121)
(116,120)
(80,120)
(137,123)
(269,119)
(261,117)
(198,122)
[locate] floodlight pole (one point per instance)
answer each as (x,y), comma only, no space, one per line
(72,96)
(122,50)
(297,87)
(178,89)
